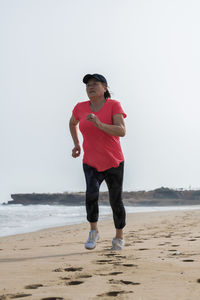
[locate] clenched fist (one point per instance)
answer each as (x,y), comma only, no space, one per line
(76,151)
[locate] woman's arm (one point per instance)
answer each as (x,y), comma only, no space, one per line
(73,126)
(118,127)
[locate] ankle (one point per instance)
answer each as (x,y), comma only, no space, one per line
(119,237)
(93,226)
(119,234)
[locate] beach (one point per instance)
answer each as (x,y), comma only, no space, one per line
(160,261)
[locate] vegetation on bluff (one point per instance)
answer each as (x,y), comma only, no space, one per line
(159,197)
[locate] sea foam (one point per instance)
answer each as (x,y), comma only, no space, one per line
(16,219)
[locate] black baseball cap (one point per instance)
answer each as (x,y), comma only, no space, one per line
(98,77)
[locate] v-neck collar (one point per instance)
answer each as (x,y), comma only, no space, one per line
(99,109)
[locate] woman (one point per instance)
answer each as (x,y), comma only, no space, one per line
(101,122)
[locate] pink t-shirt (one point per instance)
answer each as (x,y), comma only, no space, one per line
(101,150)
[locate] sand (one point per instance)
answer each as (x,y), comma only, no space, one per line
(160,261)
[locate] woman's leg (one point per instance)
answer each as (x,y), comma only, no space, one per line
(114,180)
(93,182)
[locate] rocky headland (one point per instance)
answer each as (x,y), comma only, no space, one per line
(158,197)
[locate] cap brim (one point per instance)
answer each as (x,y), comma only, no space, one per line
(98,77)
(87,77)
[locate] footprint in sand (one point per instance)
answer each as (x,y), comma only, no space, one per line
(109,254)
(53,298)
(114,293)
(58,270)
(124,282)
(110,261)
(143,249)
(65,278)
(103,261)
(99,274)
(129,265)
(24,249)
(13,296)
(33,286)
(75,282)
(120,256)
(84,276)
(129,282)
(188,260)
(115,273)
(71,269)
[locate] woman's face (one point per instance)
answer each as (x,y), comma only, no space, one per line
(95,88)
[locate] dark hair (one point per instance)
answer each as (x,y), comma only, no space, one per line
(107,94)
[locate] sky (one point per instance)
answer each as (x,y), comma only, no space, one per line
(149,52)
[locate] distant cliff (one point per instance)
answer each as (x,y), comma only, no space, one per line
(158,197)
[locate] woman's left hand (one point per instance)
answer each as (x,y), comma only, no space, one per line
(94,119)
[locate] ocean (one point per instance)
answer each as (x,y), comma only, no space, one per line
(16,219)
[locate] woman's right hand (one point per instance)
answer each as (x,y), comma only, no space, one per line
(76,151)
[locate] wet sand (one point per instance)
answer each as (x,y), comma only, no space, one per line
(160,261)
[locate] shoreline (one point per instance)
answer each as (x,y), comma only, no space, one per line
(160,260)
(108,216)
(104,216)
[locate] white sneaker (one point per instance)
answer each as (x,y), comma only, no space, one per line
(92,240)
(117,244)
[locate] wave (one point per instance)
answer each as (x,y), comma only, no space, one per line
(17,219)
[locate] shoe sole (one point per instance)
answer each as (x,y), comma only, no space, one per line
(116,249)
(90,248)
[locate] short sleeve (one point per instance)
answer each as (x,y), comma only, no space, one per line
(75,112)
(117,109)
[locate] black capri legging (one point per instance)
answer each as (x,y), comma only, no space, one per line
(114,180)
